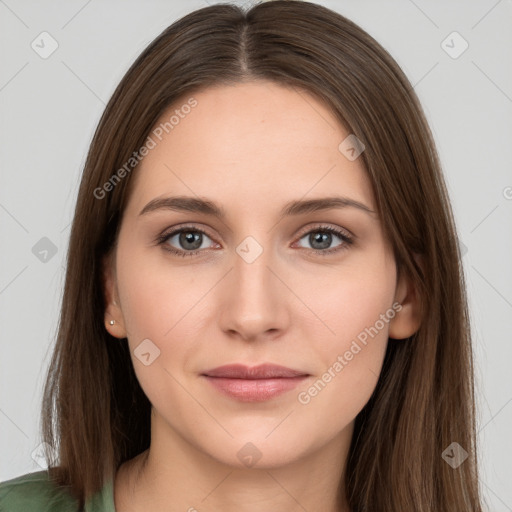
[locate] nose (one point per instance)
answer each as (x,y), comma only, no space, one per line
(254,300)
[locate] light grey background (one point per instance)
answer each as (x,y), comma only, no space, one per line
(50,108)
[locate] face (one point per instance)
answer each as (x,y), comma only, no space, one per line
(312,289)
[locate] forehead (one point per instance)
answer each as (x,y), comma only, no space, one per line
(252,137)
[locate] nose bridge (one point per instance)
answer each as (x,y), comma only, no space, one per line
(253,301)
(251,268)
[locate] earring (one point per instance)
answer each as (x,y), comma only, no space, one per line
(112,322)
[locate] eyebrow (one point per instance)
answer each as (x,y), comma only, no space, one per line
(293,208)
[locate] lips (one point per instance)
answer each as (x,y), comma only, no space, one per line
(254,384)
(263,371)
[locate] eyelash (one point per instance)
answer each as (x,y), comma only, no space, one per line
(347,240)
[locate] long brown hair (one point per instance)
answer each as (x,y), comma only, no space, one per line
(424,399)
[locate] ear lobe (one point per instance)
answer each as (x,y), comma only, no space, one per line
(112,309)
(407,320)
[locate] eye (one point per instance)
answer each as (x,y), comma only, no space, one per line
(321,238)
(191,240)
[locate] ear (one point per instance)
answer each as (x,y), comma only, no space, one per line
(407,320)
(112,308)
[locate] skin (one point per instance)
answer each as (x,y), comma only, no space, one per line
(251,148)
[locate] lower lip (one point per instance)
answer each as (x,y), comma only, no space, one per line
(255,390)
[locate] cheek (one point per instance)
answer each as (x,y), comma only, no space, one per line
(352,299)
(149,298)
(355,313)
(159,304)
(152,309)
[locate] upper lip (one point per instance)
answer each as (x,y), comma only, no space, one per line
(263,371)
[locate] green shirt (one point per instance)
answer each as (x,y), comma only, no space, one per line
(34,492)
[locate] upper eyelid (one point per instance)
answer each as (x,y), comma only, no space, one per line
(177,229)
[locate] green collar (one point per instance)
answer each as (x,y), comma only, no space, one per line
(103,500)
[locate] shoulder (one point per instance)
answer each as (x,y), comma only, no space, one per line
(35,491)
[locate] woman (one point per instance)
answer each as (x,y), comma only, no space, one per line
(310,350)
